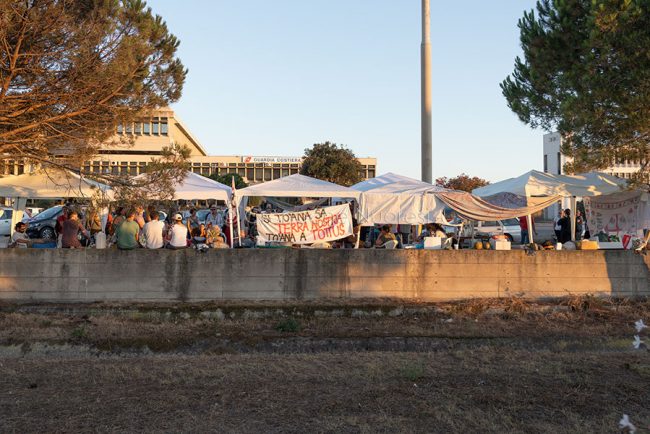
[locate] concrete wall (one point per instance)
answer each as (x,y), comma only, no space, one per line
(157,275)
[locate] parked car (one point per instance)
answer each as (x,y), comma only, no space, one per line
(509,227)
(5,223)
(43,224)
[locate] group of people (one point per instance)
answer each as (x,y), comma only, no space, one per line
(562,226)
(131,228)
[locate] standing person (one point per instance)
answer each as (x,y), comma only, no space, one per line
(153,231)
(58,226)
(214,218)
(177,234)
(565,227)
(556,224)
(70,232)
(525,231)
(127,232)
(93,222)
(193,220)
(579,225)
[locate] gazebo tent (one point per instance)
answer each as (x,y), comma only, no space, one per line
(51,184)
(535,183)
(540,184)
(392,198)
(197,187)
(297,186)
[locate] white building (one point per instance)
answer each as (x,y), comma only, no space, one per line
(554,161)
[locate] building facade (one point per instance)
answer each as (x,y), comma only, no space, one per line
(554,160)
(165,128)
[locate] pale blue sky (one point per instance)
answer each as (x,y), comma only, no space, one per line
(273,77)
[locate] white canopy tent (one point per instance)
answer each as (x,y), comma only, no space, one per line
(52,184)
(392,198)
(197,187)
(296,186)
(49,184)
(540,184)
(535,183)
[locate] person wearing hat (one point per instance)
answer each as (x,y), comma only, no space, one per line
(177,235)
(214,218)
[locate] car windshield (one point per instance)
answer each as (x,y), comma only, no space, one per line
(48,213)
(5,214)
(510,222)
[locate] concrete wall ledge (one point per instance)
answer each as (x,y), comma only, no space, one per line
(56,275)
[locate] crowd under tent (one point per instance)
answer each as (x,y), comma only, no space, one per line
(49,184)
(198,187)
(535,184)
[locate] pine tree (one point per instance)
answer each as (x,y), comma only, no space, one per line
(332,163)
(586,73)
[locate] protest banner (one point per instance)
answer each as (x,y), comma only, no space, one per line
(306,227)
(621,213)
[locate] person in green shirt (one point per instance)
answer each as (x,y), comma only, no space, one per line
(127,232)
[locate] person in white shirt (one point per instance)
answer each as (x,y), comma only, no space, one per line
(153,231)
(19,237)
(214,218)
(177,235)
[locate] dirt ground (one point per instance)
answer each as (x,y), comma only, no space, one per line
(326,366)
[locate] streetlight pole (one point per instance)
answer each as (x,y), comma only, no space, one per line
(425,71)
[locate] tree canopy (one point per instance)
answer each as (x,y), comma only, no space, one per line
(71,70)
(461,182)
(333,163)
(227,179)
(586,73)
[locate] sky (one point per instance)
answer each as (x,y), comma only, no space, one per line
(271,78)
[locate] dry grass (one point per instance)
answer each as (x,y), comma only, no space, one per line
(498,366)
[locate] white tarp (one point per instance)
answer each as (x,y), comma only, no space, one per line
(396,199)
(297,186)
(197,187)
(52,184)
(535,183)
(618,213)
(306,227)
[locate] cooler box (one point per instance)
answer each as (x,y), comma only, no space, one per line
(500,244)
(433,243)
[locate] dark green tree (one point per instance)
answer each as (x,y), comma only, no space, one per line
(333,163)
(585,72)
(227,179)
(71,70)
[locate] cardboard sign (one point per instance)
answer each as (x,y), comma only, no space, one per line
(306,227)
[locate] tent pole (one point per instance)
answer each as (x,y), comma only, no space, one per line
(529,220)
(573,206)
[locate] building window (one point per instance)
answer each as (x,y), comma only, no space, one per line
(146,128)
(155,126)
(545,163)
(120,128)
(371,174)
(129,128)
(259,175)
(250,174)
(138,128)
(267,174)
(559,163)
(163,126)
(285,172)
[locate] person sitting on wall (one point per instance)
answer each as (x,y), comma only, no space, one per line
(70,232)
(385,235)
(153,231)
(128,232)
(177,234)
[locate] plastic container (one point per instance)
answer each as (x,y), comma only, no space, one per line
(100,240)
